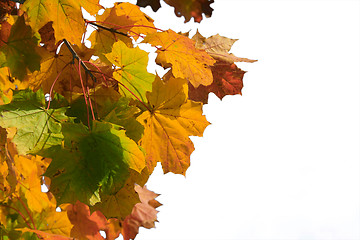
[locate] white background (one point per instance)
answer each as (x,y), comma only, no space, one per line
(281,161)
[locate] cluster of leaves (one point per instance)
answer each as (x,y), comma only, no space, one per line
(90,132)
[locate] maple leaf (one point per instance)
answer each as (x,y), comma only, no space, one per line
(65,15)
(169,124)
(218,47)
(121,199)
(61,66)
(144,214)
(117,110)
(127,18)
(228,80)
(37,128)
(19,50)
(86,225)
(29,171)
(51,225)
(154,4)
(191,8)
(132,73)
(180,53)
(90,160)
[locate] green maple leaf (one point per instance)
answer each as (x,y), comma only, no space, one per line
(90,161)
(132,73)
(37,128)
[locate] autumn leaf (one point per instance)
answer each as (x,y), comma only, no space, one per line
(154,4)
(144,214)
(65,15)
(29,171)
(191,8)
(117,110)
(90,160)
(86,225)
(180,53)
(169,123)
(131,72)
(37,128)
(19,50)
(121,199)
(61,67)
(228,80)
(218,47)
(127,18)
(51,225)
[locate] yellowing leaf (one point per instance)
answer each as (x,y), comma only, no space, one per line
(51,225)
(179,52)
(169,124)
(122,198)
(132,71)
(66,16)
(128,18)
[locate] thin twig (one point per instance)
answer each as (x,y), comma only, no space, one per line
(106,28)
(76,56)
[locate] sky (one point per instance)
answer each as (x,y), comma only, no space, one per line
(282,160)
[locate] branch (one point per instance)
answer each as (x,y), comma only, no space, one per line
(75,55)
(106,28)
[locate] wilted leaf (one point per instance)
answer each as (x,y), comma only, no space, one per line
(169,124)
(218,47)
(179,52)
(144,214)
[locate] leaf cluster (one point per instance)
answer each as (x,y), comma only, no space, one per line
(82,128)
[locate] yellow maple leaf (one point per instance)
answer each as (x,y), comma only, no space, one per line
(179,52)
(169,124)
(66,16)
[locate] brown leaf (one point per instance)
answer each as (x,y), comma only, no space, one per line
(154,4)
(191,8)
(228,80)
(143,214)
(48,37)
(218,47)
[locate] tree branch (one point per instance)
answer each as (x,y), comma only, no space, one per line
(75,55)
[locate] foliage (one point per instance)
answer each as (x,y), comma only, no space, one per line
(91,123)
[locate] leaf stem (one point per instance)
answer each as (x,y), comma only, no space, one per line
(76,56)
(18,211)
(27,211)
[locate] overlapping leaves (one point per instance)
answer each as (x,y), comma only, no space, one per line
(92,131)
